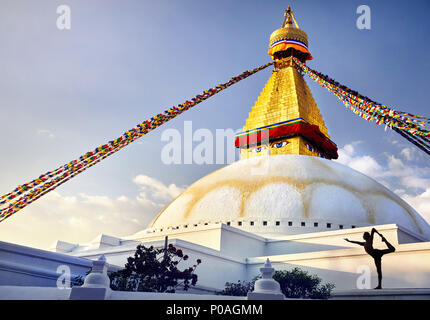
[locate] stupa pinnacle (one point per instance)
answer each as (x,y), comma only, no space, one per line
(285,119)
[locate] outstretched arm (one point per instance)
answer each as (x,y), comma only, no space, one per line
(356,242)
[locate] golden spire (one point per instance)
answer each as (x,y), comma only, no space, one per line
(285,119)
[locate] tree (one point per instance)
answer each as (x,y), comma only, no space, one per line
(154,270)
(296,283)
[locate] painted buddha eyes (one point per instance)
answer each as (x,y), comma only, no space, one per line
(279,144)
(276,145)
(257,150)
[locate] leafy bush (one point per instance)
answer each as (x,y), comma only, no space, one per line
(296,283)
(237,289)
(154,270)
(77,281)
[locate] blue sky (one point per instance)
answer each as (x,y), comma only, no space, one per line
(64,92)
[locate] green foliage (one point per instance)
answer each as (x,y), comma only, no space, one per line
(154,270)
(237,289)
(77,281)
(298,283)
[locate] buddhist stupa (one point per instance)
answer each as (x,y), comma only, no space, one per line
(286,182)
(286,200)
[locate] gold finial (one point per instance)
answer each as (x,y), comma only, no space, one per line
(289,18)
(289,36)
(286,17)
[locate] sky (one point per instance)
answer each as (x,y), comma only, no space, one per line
(65,92)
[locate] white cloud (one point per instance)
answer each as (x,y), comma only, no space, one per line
(407,153)
(411,176)
(365,164)
(414,181)
(156,188)
(420,202)
(122,199)
(46,133)
(408,175)
(396,166)
(80,218)
(408,180)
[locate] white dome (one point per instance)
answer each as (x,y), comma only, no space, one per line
(287,194)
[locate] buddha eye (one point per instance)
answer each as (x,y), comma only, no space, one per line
(280,144)
(258,149)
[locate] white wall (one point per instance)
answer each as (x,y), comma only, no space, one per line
(332,240)
(208,236)
(20,265)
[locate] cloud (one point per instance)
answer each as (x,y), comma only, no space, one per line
(46,133)
(365,164)
(156,188)
(407,153)
(396,166)
(420,202)
(408,180)
(80,218)
(411,176)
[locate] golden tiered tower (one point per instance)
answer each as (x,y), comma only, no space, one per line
(285,119)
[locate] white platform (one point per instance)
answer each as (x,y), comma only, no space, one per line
(383,294)
(236,255)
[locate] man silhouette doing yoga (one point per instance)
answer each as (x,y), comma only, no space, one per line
(375,253)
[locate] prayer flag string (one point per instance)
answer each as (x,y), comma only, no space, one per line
(416,129)
(28,192)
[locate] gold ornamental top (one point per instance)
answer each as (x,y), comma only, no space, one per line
(285,118)
(288,38)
